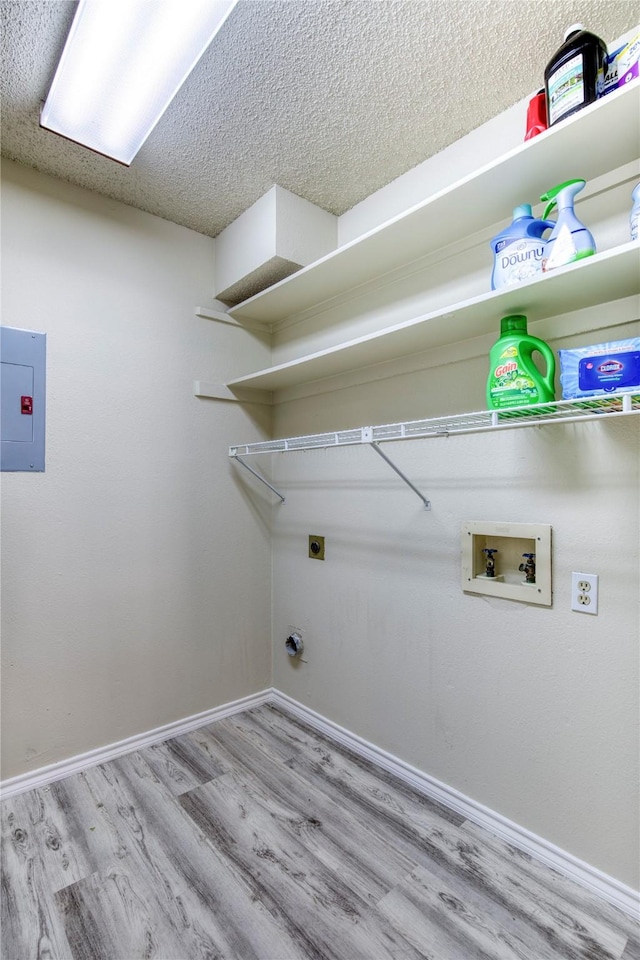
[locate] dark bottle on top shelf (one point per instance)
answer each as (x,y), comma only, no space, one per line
(574,76)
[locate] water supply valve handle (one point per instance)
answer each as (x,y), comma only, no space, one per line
(490,569)
(528,567)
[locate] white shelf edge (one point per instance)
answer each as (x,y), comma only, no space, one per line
(220,391)
(605,406)
(539,144)
(207,313)
(500,302)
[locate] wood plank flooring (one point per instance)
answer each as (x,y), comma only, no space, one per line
(256,838)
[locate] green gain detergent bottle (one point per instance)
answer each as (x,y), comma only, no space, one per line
(514,379)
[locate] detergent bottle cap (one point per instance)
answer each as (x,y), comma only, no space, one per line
(574,28)
(524,210)
(555,195)
(513,324)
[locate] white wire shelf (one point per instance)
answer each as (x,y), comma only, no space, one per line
(558,411)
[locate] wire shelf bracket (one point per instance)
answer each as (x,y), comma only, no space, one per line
(376,446)
(259,476)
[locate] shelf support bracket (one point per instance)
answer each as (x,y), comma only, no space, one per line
(376,446)
(259,476)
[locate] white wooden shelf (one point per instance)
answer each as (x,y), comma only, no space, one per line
(603,135)
(611,275)
(601,407)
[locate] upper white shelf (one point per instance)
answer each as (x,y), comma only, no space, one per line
(603,135)
(606,276)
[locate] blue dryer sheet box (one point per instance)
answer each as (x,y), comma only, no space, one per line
(601,368)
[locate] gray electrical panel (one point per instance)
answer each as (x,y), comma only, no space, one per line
(22,413)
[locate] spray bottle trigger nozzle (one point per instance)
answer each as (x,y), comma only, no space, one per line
(553,194)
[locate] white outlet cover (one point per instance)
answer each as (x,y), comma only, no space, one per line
(584,593)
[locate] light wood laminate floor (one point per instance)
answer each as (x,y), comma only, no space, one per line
(256,837)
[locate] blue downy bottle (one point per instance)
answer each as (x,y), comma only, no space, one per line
(519,251)
(570,240)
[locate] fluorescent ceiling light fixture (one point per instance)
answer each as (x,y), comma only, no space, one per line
(122,65)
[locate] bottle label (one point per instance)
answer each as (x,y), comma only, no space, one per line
(561,250)
(611,372)
(517,260)
(566,88)
(510,385)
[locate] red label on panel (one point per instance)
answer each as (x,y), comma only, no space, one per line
(26,405)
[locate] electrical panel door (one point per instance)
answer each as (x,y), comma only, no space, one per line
(22,413)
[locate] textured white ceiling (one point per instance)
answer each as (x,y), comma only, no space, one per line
(331,99)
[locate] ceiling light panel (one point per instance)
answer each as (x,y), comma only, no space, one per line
(122,64)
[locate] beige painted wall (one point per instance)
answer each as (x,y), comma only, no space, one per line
(135,584)
(531,711)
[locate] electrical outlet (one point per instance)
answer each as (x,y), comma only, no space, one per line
(584,592)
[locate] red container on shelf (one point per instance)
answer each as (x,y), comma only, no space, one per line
(536,115)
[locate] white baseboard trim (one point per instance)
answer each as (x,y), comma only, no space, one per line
(65,768)
(608,888)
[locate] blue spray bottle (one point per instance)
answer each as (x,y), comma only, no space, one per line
(570,240)
(518,252)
